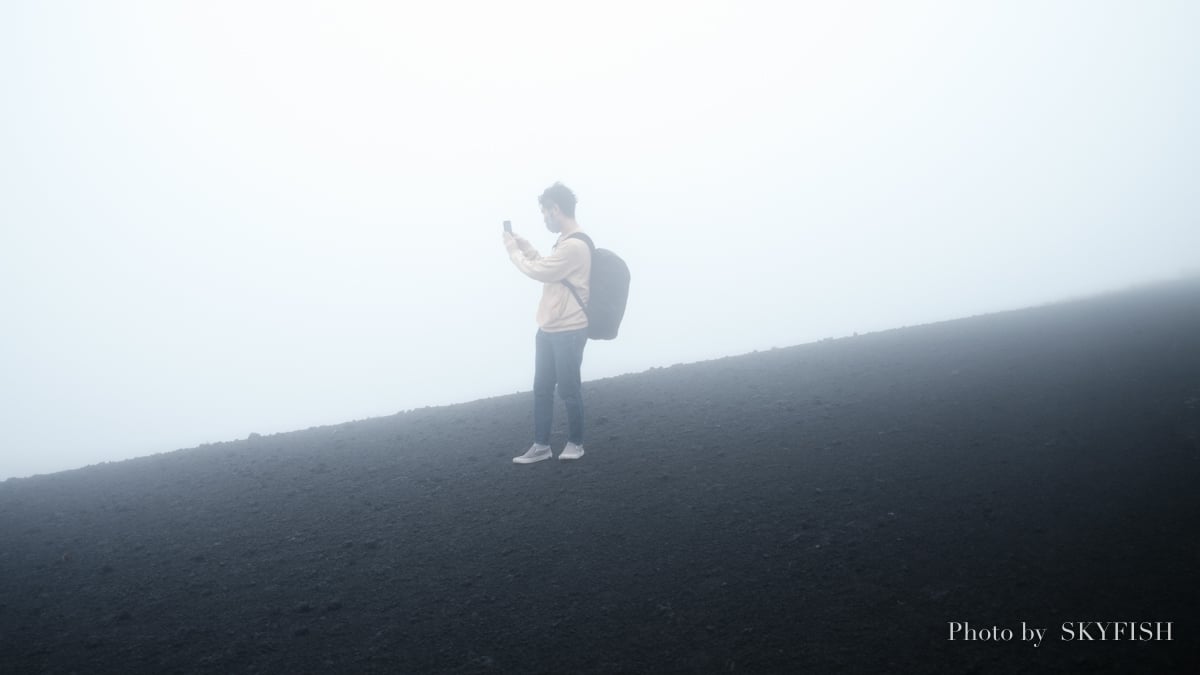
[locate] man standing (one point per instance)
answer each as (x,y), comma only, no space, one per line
(562,323)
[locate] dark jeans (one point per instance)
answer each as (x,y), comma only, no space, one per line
(559,356)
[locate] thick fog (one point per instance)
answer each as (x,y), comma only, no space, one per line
(232,217)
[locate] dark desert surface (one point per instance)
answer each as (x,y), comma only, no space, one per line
(829,507)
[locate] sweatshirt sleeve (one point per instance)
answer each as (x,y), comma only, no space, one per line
(551,268)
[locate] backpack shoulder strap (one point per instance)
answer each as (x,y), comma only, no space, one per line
(578,299)
(585,239)
(591,248)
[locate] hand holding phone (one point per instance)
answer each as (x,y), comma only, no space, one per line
(508,226)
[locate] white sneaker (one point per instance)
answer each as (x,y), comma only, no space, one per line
(535,453)
(572,451)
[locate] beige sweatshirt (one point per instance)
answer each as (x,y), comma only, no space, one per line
(571,260)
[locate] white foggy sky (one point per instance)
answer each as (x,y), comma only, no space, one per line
(229,217)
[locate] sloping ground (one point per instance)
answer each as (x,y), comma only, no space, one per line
(830,507)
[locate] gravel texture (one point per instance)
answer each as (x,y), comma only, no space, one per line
(829,507)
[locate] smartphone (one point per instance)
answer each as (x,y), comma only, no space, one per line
(508,226)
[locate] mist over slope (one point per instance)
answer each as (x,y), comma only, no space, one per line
(832,506)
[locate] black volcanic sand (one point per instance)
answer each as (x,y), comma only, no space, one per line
(829,507)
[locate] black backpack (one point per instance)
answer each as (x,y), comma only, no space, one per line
(609,291)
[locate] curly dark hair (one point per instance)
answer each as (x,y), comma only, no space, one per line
(562,196)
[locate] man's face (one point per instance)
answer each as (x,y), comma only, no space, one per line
(552,216)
